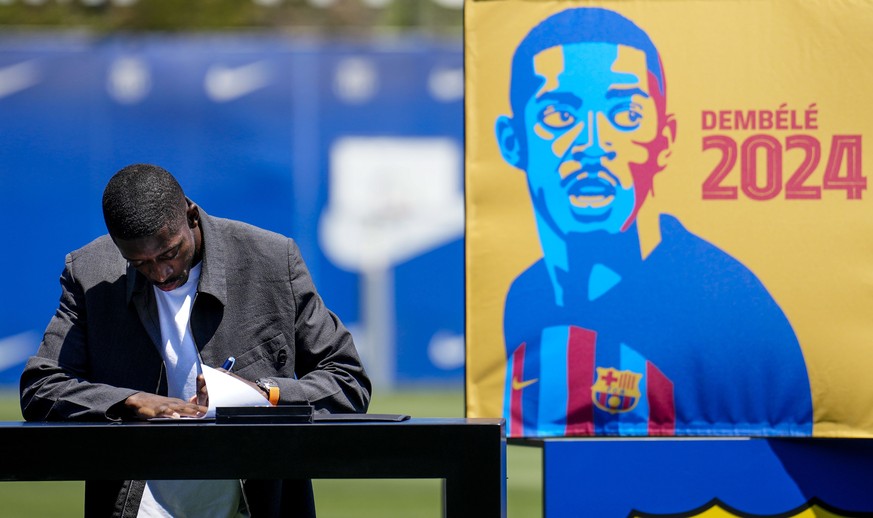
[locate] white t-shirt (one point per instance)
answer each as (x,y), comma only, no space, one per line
(178,349)
(185,498)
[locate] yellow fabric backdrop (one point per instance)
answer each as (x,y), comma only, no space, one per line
(815,256)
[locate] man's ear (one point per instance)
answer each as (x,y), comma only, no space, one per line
(193,214)
(668,134)
(507,139)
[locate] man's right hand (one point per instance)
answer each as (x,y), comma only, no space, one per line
(145,406)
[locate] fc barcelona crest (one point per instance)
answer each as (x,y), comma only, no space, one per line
(616,391)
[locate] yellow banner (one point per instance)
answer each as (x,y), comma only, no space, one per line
(668,218)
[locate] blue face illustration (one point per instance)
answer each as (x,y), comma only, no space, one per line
(588,132)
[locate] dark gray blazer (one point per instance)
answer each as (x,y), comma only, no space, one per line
(255,301)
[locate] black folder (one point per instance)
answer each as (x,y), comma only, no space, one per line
(264,414)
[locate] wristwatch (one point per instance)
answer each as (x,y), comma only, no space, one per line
(270,388)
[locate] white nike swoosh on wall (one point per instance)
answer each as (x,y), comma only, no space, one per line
(223,84)
(15,349)
(18,77)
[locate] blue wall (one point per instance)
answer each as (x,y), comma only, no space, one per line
(247,124)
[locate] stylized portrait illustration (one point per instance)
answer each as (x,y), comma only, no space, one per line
(624,327)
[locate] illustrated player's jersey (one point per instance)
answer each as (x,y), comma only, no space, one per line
(577,394)
(687,342)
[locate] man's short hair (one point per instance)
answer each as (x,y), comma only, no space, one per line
(576,25)
(140,200)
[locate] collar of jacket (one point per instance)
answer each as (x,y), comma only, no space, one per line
(213,280)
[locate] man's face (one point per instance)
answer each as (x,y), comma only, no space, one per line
(588,126)
(165,258)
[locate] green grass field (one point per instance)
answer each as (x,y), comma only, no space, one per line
(334,498)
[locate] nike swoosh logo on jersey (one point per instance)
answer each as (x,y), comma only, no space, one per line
(517,384)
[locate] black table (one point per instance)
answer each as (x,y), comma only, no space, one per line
(468,454)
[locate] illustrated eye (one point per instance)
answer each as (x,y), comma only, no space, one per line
(555,118)
(627,117)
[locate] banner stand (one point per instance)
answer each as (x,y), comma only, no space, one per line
(708,477)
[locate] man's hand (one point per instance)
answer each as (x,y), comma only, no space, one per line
(202,396)
(145,406)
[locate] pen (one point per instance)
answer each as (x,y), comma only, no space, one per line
(228,363)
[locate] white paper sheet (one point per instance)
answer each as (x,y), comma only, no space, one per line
(225,390)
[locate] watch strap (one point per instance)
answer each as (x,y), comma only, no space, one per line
(270,388)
